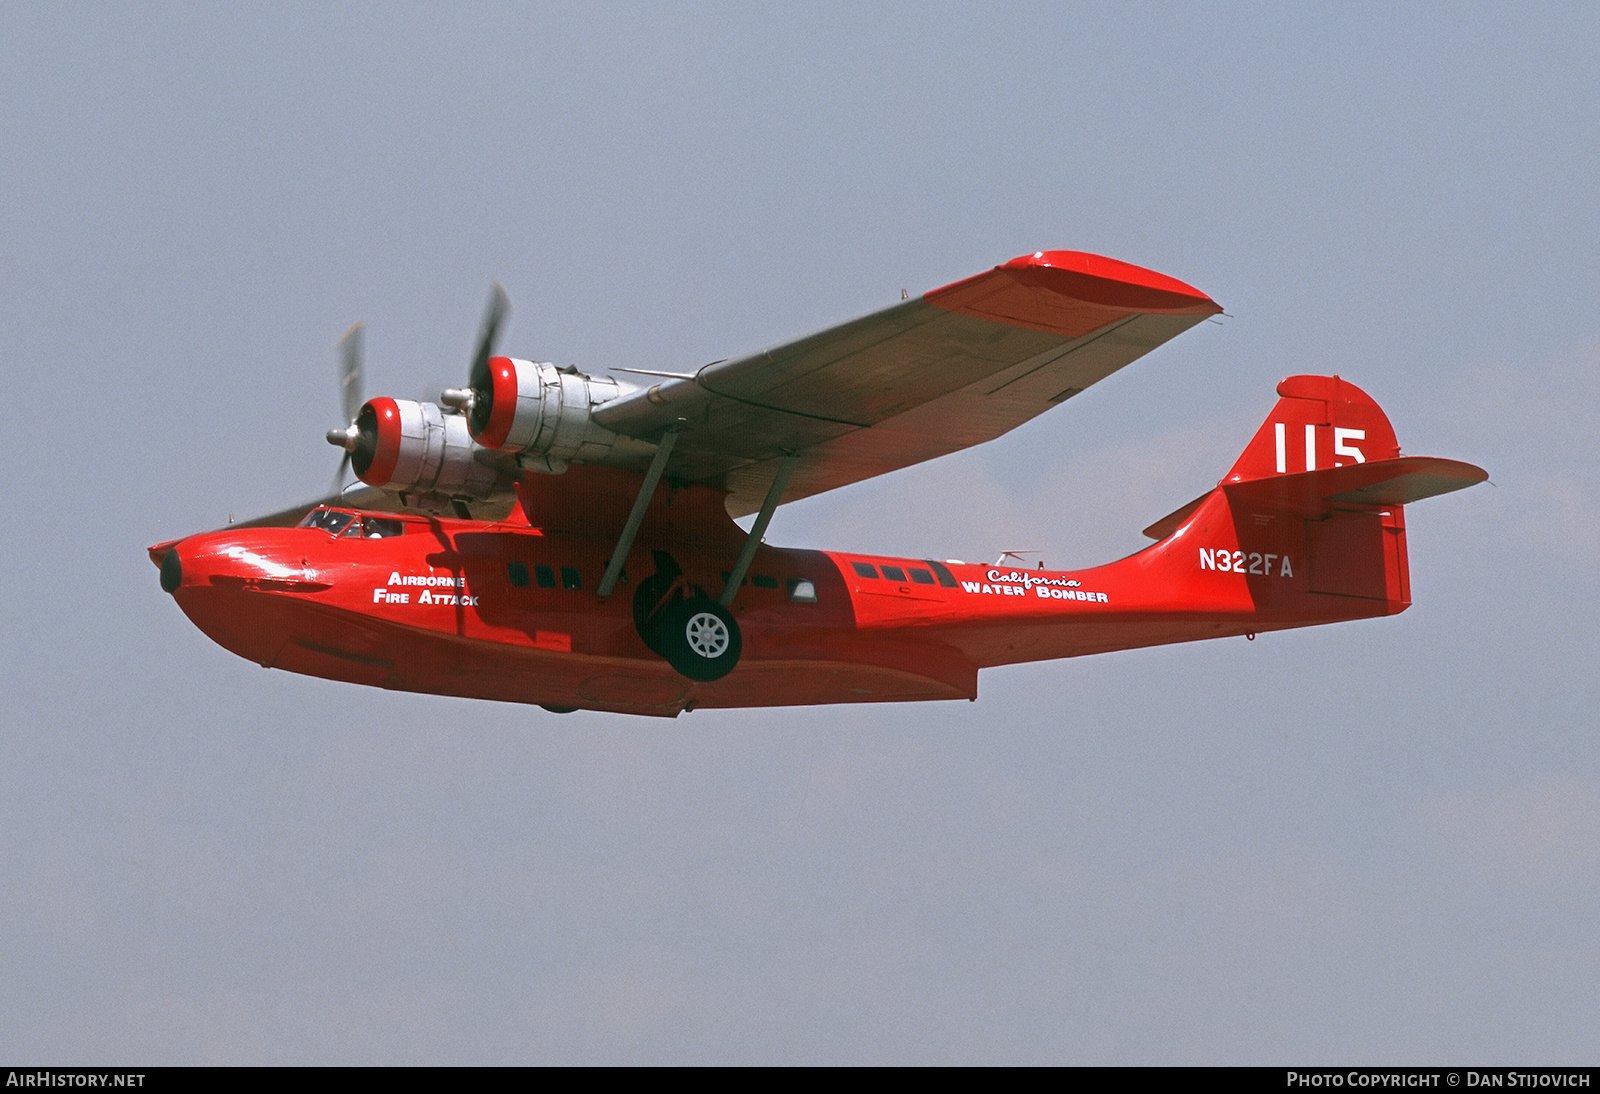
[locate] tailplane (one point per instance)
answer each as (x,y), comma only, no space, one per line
(1326,445)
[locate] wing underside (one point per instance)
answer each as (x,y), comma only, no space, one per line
(954,368)
(371,499)
(926,377)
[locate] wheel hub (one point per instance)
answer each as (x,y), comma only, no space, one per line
(706,635)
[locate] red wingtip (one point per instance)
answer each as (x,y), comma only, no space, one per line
(1123,275)
(1069,293)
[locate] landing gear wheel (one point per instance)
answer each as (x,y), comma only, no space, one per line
(649,598)
(699,638)
(648,608)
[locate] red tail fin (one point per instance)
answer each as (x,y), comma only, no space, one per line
(1319,422)
(1313,509)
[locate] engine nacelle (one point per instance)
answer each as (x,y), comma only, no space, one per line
(409,446)
(539,410)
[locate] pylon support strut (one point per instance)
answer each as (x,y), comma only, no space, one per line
(630,530)
(747,554)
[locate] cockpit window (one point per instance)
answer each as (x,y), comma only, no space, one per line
(337,522)
(332,521)
(381,527)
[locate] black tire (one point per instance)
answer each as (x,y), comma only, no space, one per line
(699,638)
(648,607)
(648,598)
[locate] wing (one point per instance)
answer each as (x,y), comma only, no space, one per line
(372,500)
(953,368)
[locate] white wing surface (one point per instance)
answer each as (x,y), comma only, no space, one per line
(953,368)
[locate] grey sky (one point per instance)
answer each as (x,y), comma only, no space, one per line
(1374,842)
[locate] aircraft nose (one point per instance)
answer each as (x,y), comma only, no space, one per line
(262,560)
(171,571)
(228,586)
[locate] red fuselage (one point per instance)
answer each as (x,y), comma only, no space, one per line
(507,611)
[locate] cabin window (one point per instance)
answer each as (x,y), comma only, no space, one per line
(518,574)
(802,590)
(921,577)
(864,569)
(545,576)
(894,573)
(946,578)
(764,581)
(570,579)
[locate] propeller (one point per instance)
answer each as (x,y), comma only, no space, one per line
(359,438)
(349,438)
(477,398)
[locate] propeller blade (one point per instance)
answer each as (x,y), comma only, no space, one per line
(338,476)
(350,400)
(494,315)
(480,387)
(350,385)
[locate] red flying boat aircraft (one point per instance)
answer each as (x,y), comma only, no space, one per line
(544,536)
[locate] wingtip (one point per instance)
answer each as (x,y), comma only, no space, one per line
(1071,293)
(1115,272)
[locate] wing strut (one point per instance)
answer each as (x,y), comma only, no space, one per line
(647,490)
(747,553)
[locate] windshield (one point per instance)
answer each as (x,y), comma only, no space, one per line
(332,521)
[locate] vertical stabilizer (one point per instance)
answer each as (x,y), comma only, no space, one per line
(1320,422)
(1310,520)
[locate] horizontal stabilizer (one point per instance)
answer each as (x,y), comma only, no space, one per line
(1399,481)
(1170,523)
(1381,482)
(1431,478)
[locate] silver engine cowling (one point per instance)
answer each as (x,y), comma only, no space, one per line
(417,447)
(539,411)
